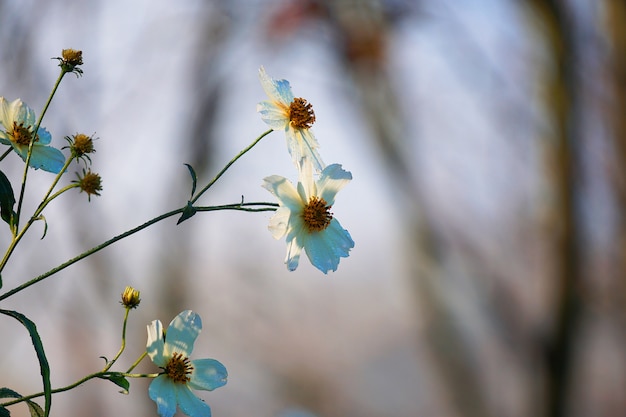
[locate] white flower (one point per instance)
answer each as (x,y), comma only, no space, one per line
(305,219)
(170,351)
(19,123)
(292,115)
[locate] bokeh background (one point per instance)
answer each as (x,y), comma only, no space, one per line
(487,141)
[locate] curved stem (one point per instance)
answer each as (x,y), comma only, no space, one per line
(30,147)
(232,161)
(119,352)
(143,355)
(8,151)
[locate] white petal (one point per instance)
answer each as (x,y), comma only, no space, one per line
(279,223)
(302,145)
(208,374)
(5,115)
(325,248)
(156,344)
(284,190)
(182,333)
(332,179)
(275,116)
(163,392)
(190,404)
(276,90)
(306,184)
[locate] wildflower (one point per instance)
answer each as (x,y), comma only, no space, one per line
(69,61)
(294,116)
(170,351)
(130,297)
(304,217)
(19,123)
(90,182)
(80,146)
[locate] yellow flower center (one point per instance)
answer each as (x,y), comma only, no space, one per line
(316,214)
(301,114)
(179,368)
(83,144)
(21,134)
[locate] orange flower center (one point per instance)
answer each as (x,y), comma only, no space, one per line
(301,114)
(316,214)
(179,368)
(21,134)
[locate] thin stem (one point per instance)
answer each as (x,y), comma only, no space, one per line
(34,217)
(232,161)
(119,352)
(238,206)
(143,355)
(68,161)
(30,147)
(8,151)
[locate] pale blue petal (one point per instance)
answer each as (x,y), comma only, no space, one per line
(332,179)
(182,333)
(306,184)
(4,138)
(275,116)
(47,158)
(44,136)
(163,392)
(156,344)
(277,90)
(294,249)
(190,404)
(22,113)
(325,248)
(208,374)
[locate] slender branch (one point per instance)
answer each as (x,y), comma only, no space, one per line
(232,161)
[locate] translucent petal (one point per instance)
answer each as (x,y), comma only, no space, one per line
(277,90)
(4,138)
(182,333)
(325,248)
(190,404)
(302,145)
(332,179)
(294,249)
(279,223)
(275,116)
(284,190)
(44,136)
(156,344)
(208,374)
(163,392)
(5,114)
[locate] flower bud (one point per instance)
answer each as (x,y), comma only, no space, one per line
(90,182)
(130,297)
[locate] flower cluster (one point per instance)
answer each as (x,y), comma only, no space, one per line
(303,217)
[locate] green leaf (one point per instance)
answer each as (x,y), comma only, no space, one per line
(7,200)
(188,212)
(118,380)
(4,412)
(194,179)
(33,407)
(41,355)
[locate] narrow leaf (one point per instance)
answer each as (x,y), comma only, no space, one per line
(41,355)
(7,199)
(4,412)
(33,407)
(194,179)
(118,380)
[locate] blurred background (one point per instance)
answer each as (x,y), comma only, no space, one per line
(487,141)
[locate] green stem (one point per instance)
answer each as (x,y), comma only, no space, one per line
(232,161)
(119,352)
(8,151)
(143,355)
(75,384)
(250,207)
(30,147)
(34,217)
